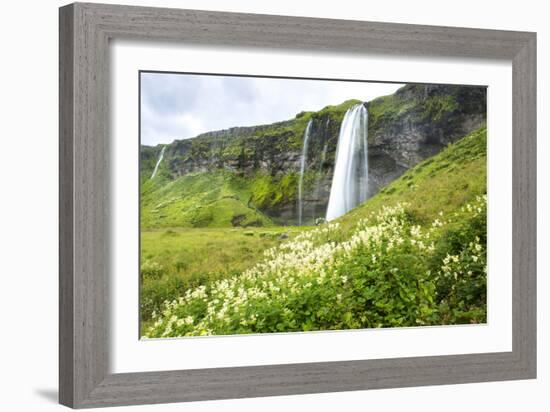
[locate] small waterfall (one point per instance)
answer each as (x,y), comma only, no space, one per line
(302,170)
(158,162)
(351,170)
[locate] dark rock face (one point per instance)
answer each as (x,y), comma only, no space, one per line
(415,123)
(405,128)
(240,149)
(424,119)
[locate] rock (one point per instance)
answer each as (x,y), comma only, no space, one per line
(405,128)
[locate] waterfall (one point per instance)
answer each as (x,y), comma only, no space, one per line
(302,170)
(351,171)
(158,162)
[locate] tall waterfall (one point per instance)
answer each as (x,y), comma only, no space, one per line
(351,170)
(158,162)
(302,170)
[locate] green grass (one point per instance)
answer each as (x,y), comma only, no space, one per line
(219,199)
(215,199)
(442,183)
(389,273)
(176,259)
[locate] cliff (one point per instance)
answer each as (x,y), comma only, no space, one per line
(258,167)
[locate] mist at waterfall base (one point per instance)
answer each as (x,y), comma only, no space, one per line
(349,185)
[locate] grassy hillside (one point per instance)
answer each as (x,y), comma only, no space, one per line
(415,254)
(217,199)
(440,184)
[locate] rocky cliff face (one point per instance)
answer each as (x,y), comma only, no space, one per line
(414,123)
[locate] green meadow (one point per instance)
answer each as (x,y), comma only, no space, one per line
(177,259)
(414,254)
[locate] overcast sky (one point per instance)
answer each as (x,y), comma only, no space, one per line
(180,106)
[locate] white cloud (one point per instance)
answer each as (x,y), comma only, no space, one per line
(180,106)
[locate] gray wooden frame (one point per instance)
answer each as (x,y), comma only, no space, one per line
(85,31)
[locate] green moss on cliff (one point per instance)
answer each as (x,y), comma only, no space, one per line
(269,191)
(437,107)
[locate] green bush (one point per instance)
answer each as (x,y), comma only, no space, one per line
(391,272)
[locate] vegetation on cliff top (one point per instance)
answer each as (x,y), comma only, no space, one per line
(243,146)
(440,107)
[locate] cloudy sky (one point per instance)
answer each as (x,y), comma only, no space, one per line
(180,106)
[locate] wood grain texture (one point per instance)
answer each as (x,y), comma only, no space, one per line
(85,31)
(66,229)
(524,184)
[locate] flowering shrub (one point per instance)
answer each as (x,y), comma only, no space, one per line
(390,271)
(462,277)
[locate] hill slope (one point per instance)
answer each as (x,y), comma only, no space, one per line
(442,183)
(415,254)
(218,199)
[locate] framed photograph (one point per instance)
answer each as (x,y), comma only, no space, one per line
(256,205)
